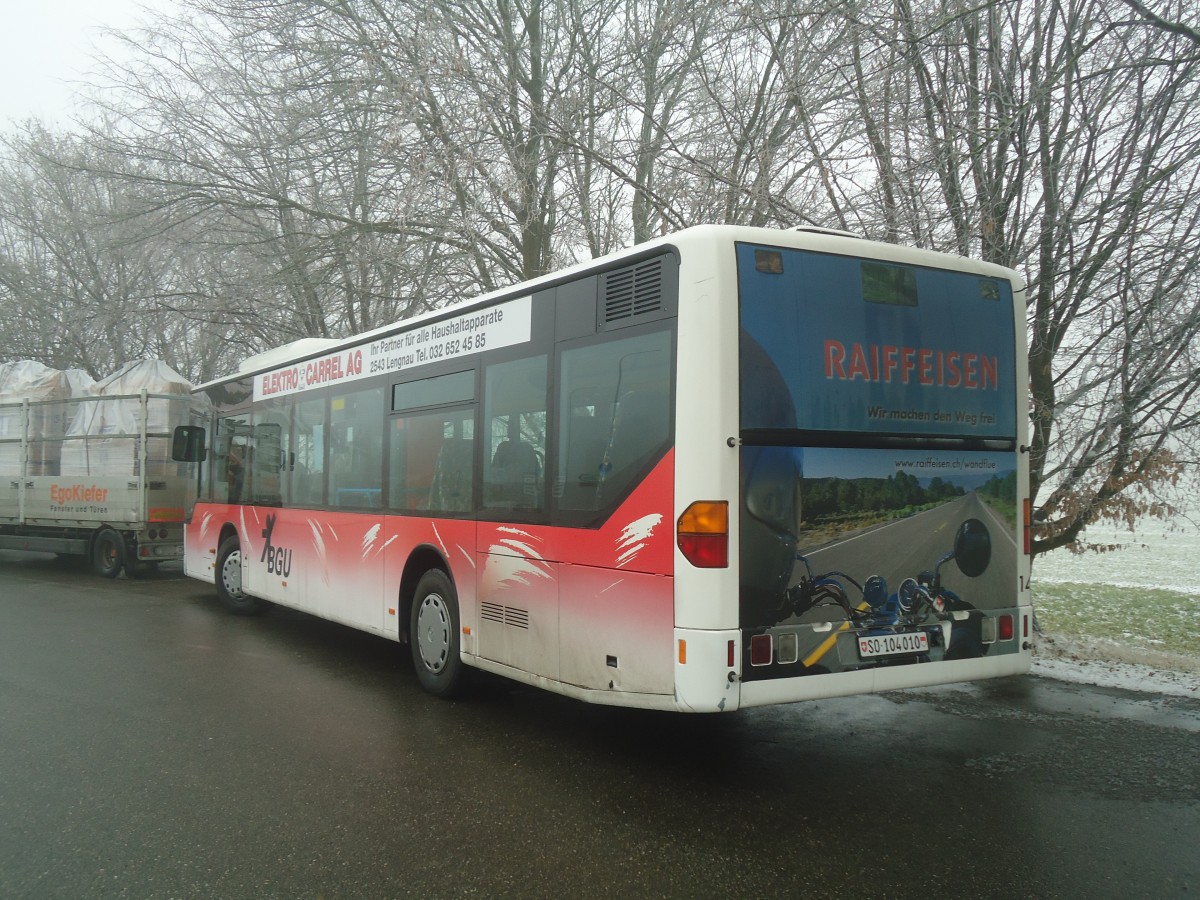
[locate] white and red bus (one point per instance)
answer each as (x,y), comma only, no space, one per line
(726,468)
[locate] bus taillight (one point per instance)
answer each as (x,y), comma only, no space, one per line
(703,534)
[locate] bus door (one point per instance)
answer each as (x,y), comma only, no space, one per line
(518,586)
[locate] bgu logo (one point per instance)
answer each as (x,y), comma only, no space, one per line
(278,559)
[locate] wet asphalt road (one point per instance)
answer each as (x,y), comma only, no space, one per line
(153,746)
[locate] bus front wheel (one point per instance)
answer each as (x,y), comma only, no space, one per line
(229,580)
(433,635)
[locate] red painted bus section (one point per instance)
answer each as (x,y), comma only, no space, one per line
(587,607)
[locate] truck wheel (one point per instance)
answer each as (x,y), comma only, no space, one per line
(433,635)
(108,553)
(229,580)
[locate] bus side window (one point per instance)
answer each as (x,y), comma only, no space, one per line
(614,417)
(515,430)
(356,449)
(432,461)
(308,474)
(270,440)
(586,427)
(640,428)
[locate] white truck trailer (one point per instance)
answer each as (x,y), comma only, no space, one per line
(88,473)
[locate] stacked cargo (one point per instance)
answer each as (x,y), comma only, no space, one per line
(28,388)
(103,437)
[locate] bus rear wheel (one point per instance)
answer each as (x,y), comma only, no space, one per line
(229,580)
(433,635)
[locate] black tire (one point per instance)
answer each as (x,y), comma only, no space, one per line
(433,635)
(108,553)
(229,580)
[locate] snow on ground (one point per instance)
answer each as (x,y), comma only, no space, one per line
(1108,664)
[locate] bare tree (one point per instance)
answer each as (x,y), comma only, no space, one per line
(291,153)
(1061,140)
(85,283)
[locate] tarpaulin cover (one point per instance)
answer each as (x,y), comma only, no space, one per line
(111,420)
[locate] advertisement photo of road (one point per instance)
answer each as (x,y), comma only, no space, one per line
(155,746)
(906,547)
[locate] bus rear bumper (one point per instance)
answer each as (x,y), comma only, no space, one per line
(869,681)
(707,670)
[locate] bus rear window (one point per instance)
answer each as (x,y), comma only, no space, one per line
(860,346)
(893,285)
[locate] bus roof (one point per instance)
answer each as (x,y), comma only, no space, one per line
(803,237)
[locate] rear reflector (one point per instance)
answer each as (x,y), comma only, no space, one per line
(760,650)
(682,652)
(1027,515)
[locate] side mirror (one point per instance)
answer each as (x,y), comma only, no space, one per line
(972,548)
(187,444)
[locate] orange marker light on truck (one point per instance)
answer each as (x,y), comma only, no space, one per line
(703,534)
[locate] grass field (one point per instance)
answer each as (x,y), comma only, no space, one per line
(1148,619)
(1144,596)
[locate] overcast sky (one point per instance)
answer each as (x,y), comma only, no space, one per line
(46,45)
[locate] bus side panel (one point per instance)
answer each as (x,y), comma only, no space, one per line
(518,600)
(200,536)
(341,566)
(617,630)
(559,602)
(639,535)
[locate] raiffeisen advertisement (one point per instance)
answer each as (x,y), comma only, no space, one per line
(876,529)
(831,343)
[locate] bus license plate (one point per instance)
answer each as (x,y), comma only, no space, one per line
(892,644)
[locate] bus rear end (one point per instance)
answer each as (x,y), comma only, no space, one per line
(879,537)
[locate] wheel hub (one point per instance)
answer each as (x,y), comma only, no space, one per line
(231,574)
(433,632)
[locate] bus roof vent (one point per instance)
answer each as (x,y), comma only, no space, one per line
(833,232)
(633,293)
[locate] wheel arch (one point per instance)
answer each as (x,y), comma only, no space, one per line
(420,561)
(122,531)
(227,530)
